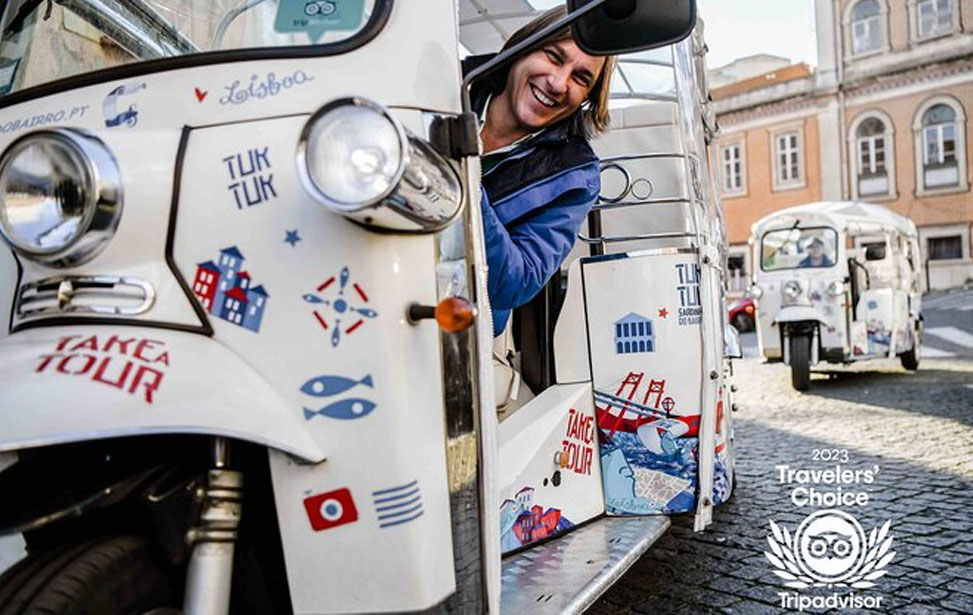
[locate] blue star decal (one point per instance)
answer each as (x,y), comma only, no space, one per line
(292,238)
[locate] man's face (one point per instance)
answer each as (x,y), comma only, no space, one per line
(549,84)
(816,250)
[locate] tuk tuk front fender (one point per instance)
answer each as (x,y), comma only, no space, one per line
(799,313)
(71,384)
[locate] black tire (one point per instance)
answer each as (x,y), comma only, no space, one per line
(801,362)
(910,359)
(743,322)
(108,576)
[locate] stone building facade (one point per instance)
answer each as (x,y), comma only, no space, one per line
(885,118)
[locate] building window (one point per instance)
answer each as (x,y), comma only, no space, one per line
(788,161)
(940,128)
(872,146)
(934,17)
(939,147)
(866,27)
(731,159)
(945,248)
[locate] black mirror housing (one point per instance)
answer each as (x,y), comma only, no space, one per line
(626,26)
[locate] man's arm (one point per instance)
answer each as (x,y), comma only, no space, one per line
(523,258)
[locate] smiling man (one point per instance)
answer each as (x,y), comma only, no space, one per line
(540,175)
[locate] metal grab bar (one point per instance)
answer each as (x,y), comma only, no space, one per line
(620,238)
(658,201)
(648,156)
(657,97)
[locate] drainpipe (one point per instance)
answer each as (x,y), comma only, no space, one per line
(839,55)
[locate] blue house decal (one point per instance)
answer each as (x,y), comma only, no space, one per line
(634,334)
(225,290)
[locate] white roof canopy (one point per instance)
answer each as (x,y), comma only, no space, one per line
(853,216)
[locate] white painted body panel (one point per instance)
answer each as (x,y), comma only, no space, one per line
(246,382)
(559,421)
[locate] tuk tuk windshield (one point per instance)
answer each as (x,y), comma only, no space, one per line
(797,248)
(43,41)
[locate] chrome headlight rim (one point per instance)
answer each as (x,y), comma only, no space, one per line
(103,196)
(791,289)
(304,172)
(755,292)
(836,288)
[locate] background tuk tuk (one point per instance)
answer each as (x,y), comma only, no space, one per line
(836,282)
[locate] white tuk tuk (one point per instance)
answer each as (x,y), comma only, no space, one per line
(836,282)
(235,374)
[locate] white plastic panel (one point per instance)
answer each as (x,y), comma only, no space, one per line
(570,342)
(550,476)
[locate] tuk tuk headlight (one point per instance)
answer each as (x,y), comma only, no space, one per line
(836,288)
(791,289)
(60,196)
(755,292)
(359,161)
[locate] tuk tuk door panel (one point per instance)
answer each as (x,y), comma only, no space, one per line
(643,312)
(876,315)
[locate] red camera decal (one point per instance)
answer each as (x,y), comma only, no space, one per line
(331,509)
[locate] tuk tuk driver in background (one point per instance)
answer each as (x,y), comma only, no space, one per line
(540,176)
(815,255)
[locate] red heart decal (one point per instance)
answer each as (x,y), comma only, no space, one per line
(201,94)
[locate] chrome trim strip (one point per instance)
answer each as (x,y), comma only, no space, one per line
(65,289)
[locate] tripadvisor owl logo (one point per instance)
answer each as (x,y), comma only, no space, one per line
(829,549)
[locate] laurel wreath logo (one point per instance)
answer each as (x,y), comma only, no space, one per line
(872,567)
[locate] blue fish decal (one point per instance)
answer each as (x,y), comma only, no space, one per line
(311,298)
(344,275)
(344,409)
(326,386)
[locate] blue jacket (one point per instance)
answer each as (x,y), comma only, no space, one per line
(534,201)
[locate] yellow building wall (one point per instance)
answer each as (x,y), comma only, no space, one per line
(760,198)
(944,209)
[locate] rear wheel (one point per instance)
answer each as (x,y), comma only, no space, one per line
(910,359)
(112,575)
(800,361)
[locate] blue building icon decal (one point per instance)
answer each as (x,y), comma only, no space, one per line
(634,334)
(226,290)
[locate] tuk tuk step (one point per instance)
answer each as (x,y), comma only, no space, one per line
(568,574)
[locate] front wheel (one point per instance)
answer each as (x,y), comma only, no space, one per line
(111,575)
(800,362)
(743,322)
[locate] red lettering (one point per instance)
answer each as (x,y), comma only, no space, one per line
(63,365)
(586,465)
(122,344)
(90,343)
(46,360)
(142,346)
(119,383)
(163,358)
(588,432)
(150,385)
(64,342)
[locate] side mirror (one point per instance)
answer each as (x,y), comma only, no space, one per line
(875,252)
(624,26)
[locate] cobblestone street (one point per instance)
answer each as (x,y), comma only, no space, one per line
(916,427)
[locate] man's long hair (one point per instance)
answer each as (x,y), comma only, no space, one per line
(592,118)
